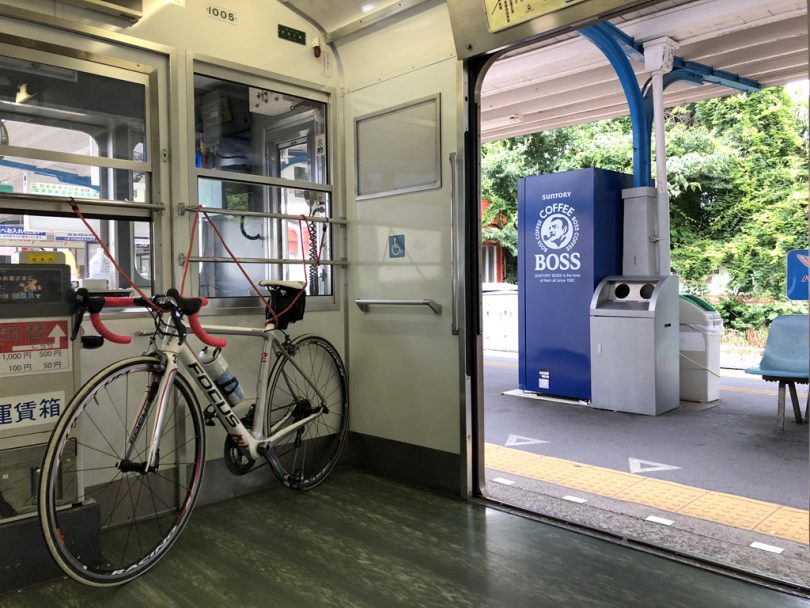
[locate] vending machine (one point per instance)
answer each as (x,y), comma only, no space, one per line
(570,238)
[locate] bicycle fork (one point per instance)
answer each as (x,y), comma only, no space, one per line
(157,395)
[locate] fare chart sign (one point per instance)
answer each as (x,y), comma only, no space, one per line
(34,346)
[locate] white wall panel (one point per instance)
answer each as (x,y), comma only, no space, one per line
(404,361)
(393,48)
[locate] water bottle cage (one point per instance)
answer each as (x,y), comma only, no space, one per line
(228,386)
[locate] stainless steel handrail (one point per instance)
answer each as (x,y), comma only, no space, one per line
(365,304)
(222,260)
(275,216)
(82,202)
(454,246)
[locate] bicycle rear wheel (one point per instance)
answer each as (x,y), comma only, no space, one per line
(308,452)
(137,514)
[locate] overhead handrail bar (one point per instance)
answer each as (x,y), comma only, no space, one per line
(85,202)
(264,180)
(181,208)
(222,260)
(365,304)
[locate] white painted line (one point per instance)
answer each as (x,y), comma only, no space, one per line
(575,499)
(504,481)
(647,466)
(521,440)
(764,547)
(659,520)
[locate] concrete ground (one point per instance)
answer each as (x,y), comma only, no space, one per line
(728,448)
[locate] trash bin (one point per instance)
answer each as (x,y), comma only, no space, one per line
(700,329)
(634,344)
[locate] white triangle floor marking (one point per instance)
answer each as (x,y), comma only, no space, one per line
(513,440)
(647,466)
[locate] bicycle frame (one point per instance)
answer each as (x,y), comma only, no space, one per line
(254,441)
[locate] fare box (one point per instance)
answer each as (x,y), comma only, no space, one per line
(34,346)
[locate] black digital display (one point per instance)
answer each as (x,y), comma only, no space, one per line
(33,284)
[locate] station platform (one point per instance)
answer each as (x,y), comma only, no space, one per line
(714,480)
(362,541)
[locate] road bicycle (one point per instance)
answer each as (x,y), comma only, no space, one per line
(129,449)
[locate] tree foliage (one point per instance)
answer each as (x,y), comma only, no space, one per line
(737,177)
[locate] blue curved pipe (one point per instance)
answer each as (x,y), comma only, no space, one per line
(614,53)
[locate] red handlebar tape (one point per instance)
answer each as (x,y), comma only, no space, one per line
(193,321)
(105,333)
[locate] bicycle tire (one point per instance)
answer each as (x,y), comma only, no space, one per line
(137,514)
(304,457)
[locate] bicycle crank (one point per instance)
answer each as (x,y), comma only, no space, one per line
(235,460)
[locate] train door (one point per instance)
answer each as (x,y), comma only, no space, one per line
(535,461)
(400,133)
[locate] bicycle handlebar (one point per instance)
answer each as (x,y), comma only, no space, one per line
(189,306)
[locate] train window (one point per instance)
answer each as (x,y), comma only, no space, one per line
(72,129)
(278,248)
(69,238)
(399,150)
(261,158)
(236,126)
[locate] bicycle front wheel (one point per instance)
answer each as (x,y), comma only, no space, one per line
(96,458)
(308,384)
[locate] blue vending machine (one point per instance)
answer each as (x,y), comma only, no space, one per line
(570,238)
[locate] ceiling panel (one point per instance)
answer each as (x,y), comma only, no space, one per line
(568,81)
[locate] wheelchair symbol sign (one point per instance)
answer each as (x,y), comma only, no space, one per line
(396,246)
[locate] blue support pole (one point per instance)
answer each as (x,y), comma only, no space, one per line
(603,39)
(618,47)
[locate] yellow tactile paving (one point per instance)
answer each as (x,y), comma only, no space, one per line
(759,391)
(601,481)
(787,523)
(543,468)
(664,495)
(731,510)
(727,509)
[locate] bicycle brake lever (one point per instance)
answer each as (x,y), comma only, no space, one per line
(177,319)
(81,307)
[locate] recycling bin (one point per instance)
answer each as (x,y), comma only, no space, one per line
(701,327)
(634,344)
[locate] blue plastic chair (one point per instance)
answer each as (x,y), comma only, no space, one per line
(786,361)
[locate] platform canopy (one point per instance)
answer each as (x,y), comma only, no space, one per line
(567,80)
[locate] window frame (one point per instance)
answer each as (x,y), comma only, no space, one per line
(252,77)
(436,183)
(147,74)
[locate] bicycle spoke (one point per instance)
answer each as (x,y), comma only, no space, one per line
(307,454)
(100,432)
(141,512)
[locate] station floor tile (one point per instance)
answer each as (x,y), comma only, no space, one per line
(737,511)
(601,481)
(518,462)
(730,510)
(664,495)
(787,523)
